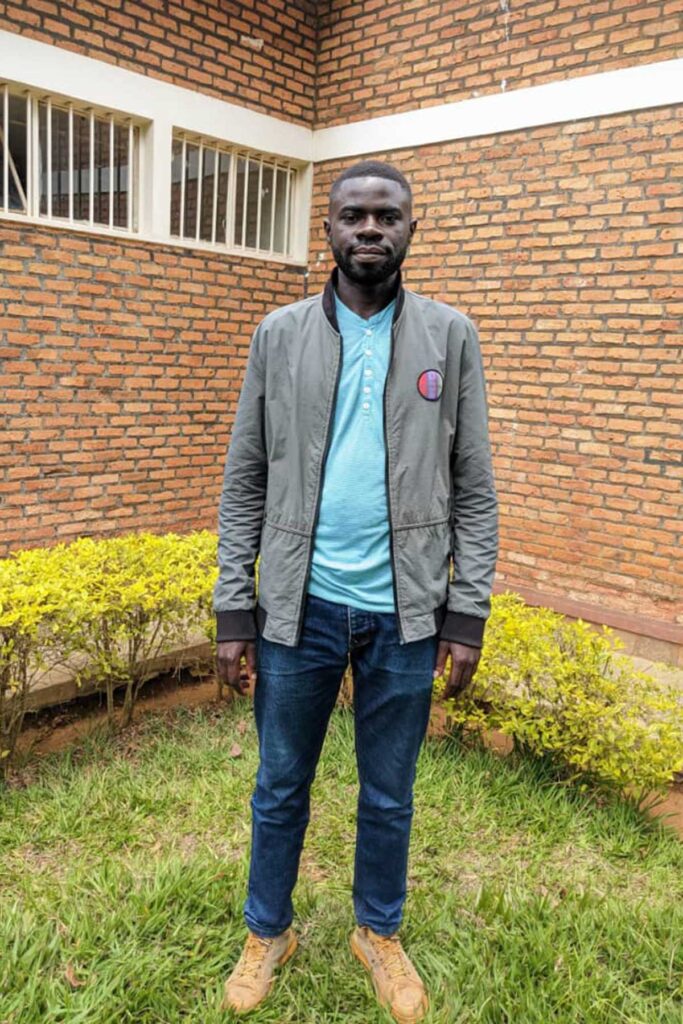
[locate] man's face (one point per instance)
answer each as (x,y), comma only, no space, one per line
(369,228)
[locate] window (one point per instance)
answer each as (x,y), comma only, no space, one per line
(67,162)
(231,198)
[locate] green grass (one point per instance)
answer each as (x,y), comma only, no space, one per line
(123,865)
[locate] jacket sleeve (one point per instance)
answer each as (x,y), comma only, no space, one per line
(241,509)
(474,506)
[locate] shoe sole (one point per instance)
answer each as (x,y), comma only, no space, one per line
(291,949)
(399,1017)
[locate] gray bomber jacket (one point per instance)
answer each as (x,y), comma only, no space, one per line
(440,490)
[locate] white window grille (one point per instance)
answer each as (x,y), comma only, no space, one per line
(229,197)
(66,162)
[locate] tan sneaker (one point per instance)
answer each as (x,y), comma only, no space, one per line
(397,984)
(253,976)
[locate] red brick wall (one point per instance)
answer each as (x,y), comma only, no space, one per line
(120,367)
(563,244)
(378,57)
(207,45)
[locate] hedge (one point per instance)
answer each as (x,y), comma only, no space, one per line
(112,606)
(561,688)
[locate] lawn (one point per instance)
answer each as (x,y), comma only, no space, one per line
(123,865)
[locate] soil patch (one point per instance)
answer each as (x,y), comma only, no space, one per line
(56,728)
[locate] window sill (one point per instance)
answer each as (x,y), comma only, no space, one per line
(121,234)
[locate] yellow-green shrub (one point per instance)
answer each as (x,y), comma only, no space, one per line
(133,598)
(560,687)
(33,634)
(116,603)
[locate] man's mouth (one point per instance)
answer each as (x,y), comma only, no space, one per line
(369,251)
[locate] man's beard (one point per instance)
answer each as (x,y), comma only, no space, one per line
(368,273)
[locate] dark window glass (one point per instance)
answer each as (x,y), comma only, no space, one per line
(253,196)
(176,185)
(121,175)
(222,201)
(266,207)
(279,240)
(208,176)
(101,182)
(42,149)
(17,163)
(240,184)
(191,180)
(60,163)
(81,169)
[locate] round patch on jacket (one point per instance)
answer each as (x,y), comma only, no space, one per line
(430,385)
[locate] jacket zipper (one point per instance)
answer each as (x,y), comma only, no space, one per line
(318,500)
(388,490)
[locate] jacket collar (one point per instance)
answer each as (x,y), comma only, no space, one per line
(329,307)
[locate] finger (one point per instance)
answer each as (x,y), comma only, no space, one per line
(441,655)
(235,680)
(240,686)
(223,669)
(454,677)
(250,658)
(465,677)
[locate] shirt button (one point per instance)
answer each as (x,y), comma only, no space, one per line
(368,373)
(366,390)
(366,405)
(368,351)
(368,332)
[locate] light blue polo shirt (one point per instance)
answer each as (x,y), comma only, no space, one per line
(351,558)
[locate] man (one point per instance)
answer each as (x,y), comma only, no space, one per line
(360,468)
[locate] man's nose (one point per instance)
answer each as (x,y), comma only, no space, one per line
(369,226)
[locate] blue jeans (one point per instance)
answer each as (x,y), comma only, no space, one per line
(295,693)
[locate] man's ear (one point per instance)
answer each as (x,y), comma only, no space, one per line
(328,227)
(413,226)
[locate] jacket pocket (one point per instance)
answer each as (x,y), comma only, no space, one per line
(423,556)
(281,570)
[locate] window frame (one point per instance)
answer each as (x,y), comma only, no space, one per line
(93,113)
(156,109)
(292,170)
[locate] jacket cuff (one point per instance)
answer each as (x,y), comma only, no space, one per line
(238,625)
(459,628)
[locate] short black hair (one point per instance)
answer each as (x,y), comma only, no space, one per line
(372,169)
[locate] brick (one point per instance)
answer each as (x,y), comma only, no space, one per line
(184,52)
(589,331)
(124,360)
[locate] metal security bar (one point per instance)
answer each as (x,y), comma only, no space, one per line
(231,198)
(63,162)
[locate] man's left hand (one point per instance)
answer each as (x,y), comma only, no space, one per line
(464,661)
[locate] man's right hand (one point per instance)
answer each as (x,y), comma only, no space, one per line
(229,656)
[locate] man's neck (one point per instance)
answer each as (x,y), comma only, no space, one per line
(366,300)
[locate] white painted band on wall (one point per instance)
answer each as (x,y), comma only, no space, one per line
(58,71)
(61,72)
(160,106)
(610,92)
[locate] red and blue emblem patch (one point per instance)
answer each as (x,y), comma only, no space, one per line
(430,385)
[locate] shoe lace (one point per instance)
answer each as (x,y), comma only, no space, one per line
(391,953)
(253,956)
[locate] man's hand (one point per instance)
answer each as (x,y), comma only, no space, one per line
(229,655)
(464,661)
